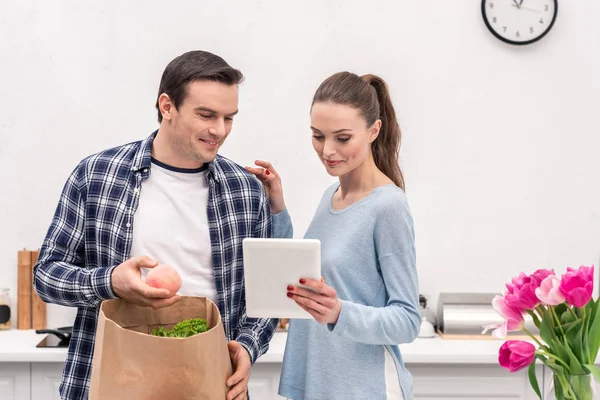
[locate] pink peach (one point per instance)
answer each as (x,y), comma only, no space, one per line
(164,276)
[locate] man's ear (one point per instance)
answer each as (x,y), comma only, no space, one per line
(374,130)
(166,106)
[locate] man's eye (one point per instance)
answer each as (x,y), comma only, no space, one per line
(206,115)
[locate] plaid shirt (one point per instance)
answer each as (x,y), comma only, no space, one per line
(91,233)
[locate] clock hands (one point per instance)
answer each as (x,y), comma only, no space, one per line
(527,8)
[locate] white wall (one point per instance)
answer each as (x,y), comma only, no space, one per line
(500,142)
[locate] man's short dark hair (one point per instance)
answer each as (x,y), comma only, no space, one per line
(194,66)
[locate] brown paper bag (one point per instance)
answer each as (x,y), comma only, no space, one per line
(131,364)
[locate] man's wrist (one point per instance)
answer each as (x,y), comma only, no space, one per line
(247,342)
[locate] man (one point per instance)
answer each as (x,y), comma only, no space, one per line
(170,199)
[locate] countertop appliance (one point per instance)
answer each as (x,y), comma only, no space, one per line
(469,313)
(59,337)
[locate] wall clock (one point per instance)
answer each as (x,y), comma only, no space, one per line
(519,22)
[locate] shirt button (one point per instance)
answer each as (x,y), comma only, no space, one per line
(128,225)
(145,169)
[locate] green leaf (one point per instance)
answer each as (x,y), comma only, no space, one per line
(569,326)
(534,317)
(574,363)
(567,317)
(594,333)
(561,387)
(186,328)
(560,310)
(547,327)
(585,330)
(559,350)
(533,379)
(574,340)
(594,370)
(554,366)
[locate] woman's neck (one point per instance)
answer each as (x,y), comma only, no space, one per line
(362,179)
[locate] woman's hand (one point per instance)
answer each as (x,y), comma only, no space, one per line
(321,302)
(272,183)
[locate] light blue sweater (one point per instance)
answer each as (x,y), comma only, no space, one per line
(368,257)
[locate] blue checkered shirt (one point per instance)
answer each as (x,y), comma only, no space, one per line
(91,233)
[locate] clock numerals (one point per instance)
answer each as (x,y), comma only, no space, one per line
(519,22)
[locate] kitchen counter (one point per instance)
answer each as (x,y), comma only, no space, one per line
(441,368)
(19,346)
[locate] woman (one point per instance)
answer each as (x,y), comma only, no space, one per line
(367,301)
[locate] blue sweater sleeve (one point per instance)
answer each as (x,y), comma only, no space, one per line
(282,225)
(399,321)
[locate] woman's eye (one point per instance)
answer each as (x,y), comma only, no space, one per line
(343,140)
(317,137)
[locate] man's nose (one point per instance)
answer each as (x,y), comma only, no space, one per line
(219,128)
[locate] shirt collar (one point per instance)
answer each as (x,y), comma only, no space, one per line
(142,160)
(143,157)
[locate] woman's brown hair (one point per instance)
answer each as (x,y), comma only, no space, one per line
(370,95)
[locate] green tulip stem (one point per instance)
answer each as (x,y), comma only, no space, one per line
(572,312)
(533,337)
(553,312)
(552,356)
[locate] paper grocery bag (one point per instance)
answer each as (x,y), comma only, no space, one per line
(131,364)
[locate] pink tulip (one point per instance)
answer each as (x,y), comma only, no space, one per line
(521,293)
(542,274)
(577,285)
(515,355)
(549,291)
(513,319)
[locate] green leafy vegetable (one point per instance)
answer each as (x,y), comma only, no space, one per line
(186,328)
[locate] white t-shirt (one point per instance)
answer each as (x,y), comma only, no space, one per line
(170,225)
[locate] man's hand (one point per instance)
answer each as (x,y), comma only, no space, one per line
(128,284)
(241,371)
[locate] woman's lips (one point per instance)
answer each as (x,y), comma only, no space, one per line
(332,163)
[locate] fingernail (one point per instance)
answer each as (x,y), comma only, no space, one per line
(289,294)
(290,288)
(302,281)
(267,172)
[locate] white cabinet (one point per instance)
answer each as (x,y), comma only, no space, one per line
(45,380)
(40,381)
(264,381)
(470,382)
(15,381)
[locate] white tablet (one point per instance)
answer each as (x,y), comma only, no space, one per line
(270,265)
